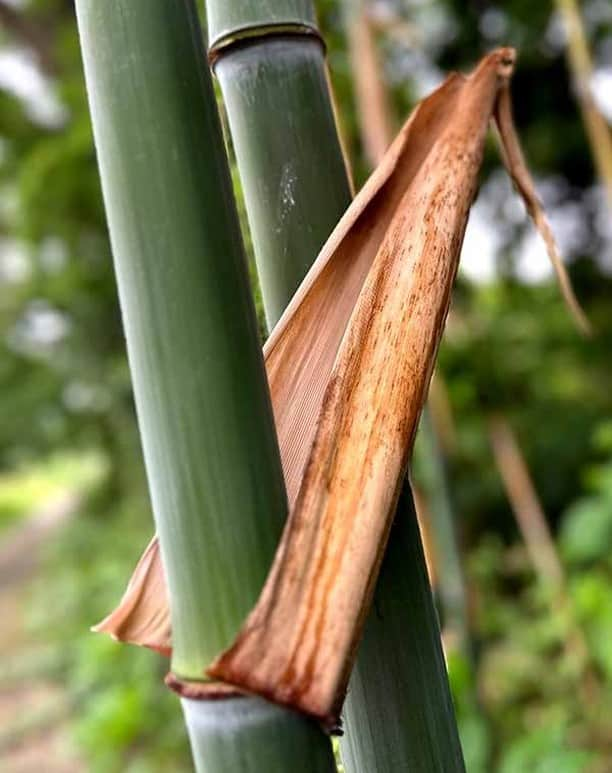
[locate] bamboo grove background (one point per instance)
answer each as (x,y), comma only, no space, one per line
(525,406)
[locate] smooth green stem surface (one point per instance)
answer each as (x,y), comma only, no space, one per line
(249,735)
(203,407)
(201,394)
(288,154)
(236,18)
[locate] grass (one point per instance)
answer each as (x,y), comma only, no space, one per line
(25,490)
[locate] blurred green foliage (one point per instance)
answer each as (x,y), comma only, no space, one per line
(124,717)
(511,347)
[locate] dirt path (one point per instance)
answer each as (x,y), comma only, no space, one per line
(33,709)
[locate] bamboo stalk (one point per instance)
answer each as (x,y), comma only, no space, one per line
(269,61)
(525,501)
(540,545)
(581,66)
(204,411)
(250,735)
(293,125)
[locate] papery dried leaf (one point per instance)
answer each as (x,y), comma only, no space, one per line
(348,365)
(143,616)
(298,644)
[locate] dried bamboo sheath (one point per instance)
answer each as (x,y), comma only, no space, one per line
(296,647)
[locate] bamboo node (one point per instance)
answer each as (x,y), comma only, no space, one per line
(248,35)
(202,691)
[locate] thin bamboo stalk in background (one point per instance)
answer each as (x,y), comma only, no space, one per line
(540,544)
(524,500)
(374,110)
(203,406)
(581,66)
(277,123)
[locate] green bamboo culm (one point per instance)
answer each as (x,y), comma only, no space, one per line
(284,135)
(250,735)
(199,383)
(414,718)
(296,188)
(239,19)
